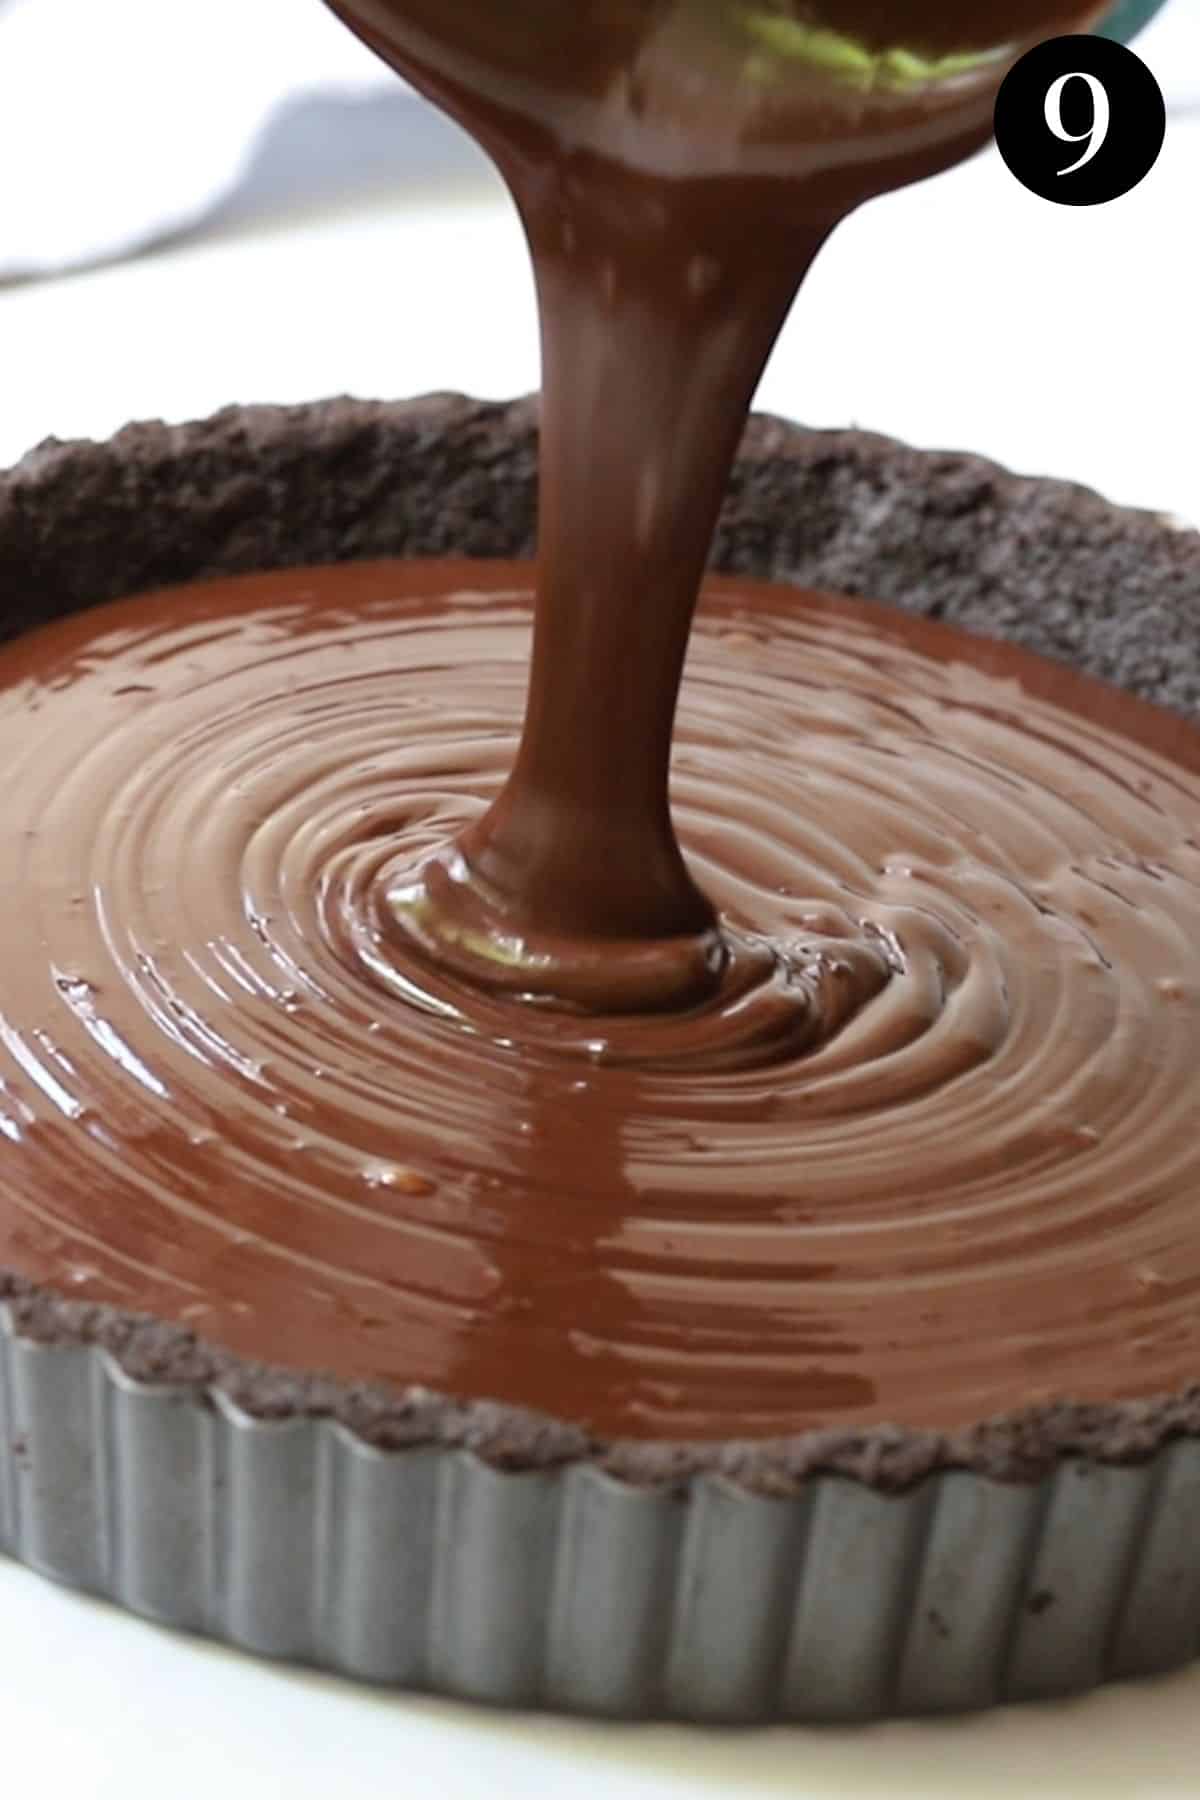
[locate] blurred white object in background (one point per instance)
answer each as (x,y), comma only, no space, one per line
(124,122)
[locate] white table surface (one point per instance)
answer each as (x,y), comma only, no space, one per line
(965,313)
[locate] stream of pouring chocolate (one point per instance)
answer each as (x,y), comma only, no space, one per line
(676,164)
(371,1016)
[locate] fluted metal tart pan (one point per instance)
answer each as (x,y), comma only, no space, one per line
(471,1549)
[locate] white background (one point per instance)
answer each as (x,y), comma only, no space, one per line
(964,313)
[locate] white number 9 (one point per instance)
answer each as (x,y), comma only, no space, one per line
(1097,131)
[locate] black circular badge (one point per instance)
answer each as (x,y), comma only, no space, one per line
(1080,120)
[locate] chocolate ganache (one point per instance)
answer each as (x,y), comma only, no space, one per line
(368,1013)
(229,1101)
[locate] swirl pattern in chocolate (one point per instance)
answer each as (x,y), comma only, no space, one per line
(938,1161)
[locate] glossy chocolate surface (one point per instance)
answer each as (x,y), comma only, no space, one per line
(231,1100)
